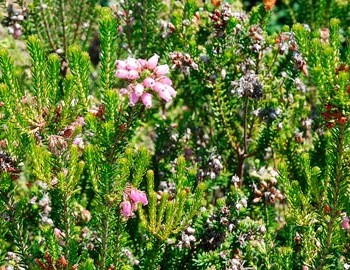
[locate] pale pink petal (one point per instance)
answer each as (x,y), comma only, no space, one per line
(138,196)
(139,89)
(57,232)
(133,99)
(146,99)
(171,90)
(133,75)
(143,198)
(153,61)
(164,94)
(17,33)
(78,141)
(80,121)
(120,64)
(158,87)
(165,80)
(123,91)
(162,70)
(132,64)
(143,63)
(345,223)
(122,73)
(148,82)
(125,208)
(134,195)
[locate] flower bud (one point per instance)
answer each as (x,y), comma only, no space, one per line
(123,91)
(133,75)
(345,223)
(85,215)
(132,64)
(138,196)
(165,80)
(147,100)
(148,82)
(169,89)
(122,73)
(139,89)
(133,99)
(153,61)
(164,94)
(126,209)
(162,70)
(120,64)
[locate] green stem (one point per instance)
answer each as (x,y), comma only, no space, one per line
(245,125)
(224,122)
(104,237)
(272,64)
(66,224)
(76,32)
(47,29)
(334,207)
(152,260)
(63,20)
(23,247)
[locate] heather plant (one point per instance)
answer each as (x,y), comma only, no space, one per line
(175,134)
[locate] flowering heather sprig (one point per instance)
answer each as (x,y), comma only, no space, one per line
(8,164)
(333,115)
(14,19)
(345,223)
(266,189)
(221,18)
(257,38)
(131,197)
(145,77)
(183,62)
(287,43)
(249,85)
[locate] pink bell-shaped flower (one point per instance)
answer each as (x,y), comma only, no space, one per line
(122,73)
(78,141)
(125,208)
(123,91)
(138,196)
(143,63)
(120,64)
(133,75)
(133,98)
(158,87)
(132,64)
(161,70)
(345,223)
(171,90)
(149,82)
(146,99)
(139,89)
(153,62)
(164,94)
(165,80)
(143,198)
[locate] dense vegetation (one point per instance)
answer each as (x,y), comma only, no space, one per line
(174,134)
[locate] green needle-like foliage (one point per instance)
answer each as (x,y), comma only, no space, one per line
(174,212)
(62,23)
(174,134)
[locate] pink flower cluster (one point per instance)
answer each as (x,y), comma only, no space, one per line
(131,197)
(145,77)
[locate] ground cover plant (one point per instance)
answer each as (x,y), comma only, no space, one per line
(174,134)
